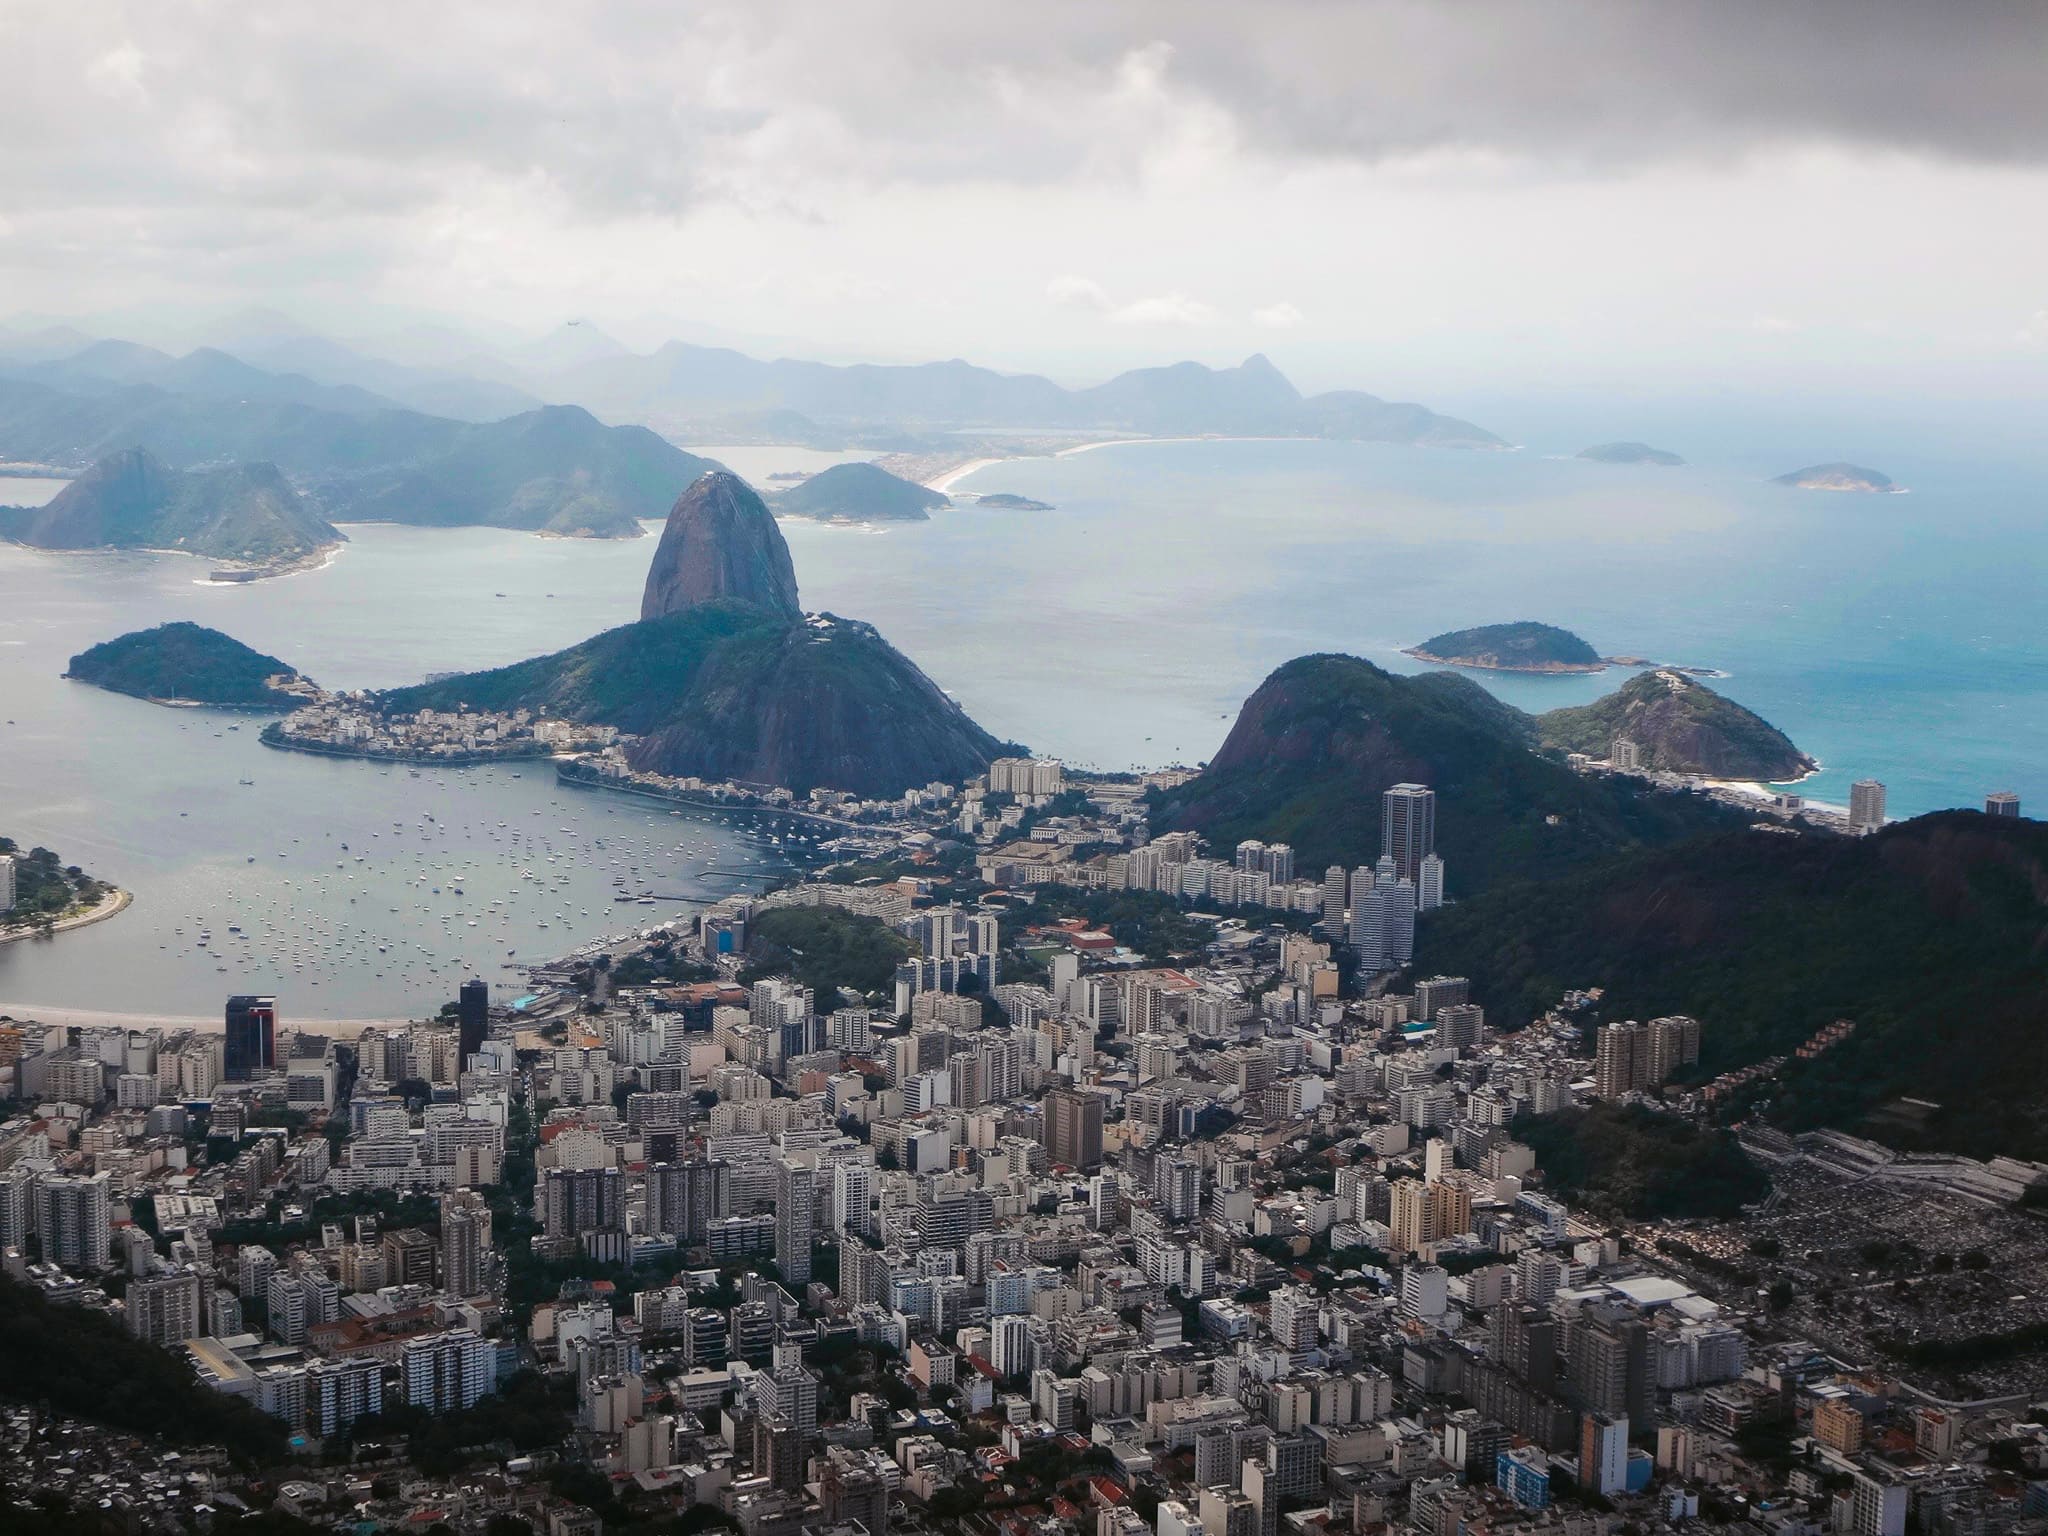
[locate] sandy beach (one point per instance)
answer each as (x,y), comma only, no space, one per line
(943,483)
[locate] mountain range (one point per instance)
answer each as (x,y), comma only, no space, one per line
(702,393)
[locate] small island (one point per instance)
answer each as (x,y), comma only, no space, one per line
(860,493)
(1840,477)
(1523,646)
(1010,502)
(188,664)
(1630,453)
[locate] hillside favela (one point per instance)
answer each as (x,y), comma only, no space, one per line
(883,769)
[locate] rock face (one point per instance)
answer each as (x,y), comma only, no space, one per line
(720,542)
(1681,726)
(1839,477)
(133,500)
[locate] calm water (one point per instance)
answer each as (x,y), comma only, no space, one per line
(1892,636)
(150,797)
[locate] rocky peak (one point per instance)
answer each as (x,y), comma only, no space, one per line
(720,542)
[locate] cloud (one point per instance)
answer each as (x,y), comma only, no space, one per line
(1282,316)
(1164,309)
(1075,292)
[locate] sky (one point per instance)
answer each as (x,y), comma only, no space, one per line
(1428,200)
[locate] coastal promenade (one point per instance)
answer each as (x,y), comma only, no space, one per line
(112,904)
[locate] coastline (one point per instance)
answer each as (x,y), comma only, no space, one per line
(113,904)
(944,481)
(61,1016)
(1553,669)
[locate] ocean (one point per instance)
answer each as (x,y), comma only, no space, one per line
(1890,636)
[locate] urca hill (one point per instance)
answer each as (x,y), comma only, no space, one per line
(725,677)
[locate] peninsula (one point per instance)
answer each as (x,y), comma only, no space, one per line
(185,663)
(1523,646)
(724,677)
(50,895)
(1677,724)
(1630,453)
(1840,477)
(247,513)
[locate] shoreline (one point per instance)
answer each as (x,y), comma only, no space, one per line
(110,905)
(64,1016)
(945,480)
(1555,669)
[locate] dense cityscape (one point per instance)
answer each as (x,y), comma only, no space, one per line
(1015,1171)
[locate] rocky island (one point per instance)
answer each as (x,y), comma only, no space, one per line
(1630,453)
(185,663)
(1523,646)
(1007,501)
(1840,477)
(247,513)
(1678,724)
(860,493)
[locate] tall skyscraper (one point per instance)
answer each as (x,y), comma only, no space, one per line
(473,1011)
(1429,886)
(1866,805)
(795,1219)
(74,1215)
(448,1371)
(465,1239)
(578,1200)
(2002,803)
(166,1309)
(251,1048)
(1408,827)
(685,1198)
(1073,1128)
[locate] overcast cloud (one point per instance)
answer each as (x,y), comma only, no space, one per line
(1381,193)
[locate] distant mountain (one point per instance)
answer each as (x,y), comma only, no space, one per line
(724,677)
(720,542)
(1930,935)
(132,500)
(207,373)
(432,391)
(556,470)
(1630,453)
(1681,726)
(681,384)
(186,663)
(1838,477)
(1523,646)
(862,493)
(1322,737)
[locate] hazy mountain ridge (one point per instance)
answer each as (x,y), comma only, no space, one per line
(133,500)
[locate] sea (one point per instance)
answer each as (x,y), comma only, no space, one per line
(1892,637)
